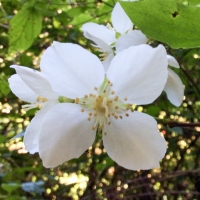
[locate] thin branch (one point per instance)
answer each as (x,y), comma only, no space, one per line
(181,124)
(107,4)
(68,3)
(4,26)
(172,124)
(91,19)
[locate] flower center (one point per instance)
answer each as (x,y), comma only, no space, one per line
(103,105)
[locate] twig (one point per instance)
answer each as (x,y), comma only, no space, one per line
(172,124)
(4,26)
(106,4)
(92,19)
(181,124)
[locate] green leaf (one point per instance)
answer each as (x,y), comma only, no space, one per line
(25,27)
(170,22)
(26,60)
(56,23)
(153,110)
(194,2)
(15,197)
(4,87)
(82,18)
(74,12)
(2,138)
(10,187)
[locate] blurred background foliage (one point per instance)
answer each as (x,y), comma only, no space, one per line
(94,175)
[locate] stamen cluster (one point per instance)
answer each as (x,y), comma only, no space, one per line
(102,105)
(40,101)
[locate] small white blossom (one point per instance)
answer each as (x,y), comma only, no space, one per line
(31,86)
(120,36)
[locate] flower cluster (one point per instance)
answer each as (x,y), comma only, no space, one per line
(80,95)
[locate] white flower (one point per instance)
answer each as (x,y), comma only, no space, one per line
(120,35)
(31,86)
(103,104)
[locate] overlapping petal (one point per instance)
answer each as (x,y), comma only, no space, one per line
(139,73)
(134,142)
(174,88)
(69,137)
(36,81)
(102,45)
(172,61)
(120,20)
(101,32)
(107,61)
(105,49)
(31,137)
(21,89)
(71,70)
(132,38)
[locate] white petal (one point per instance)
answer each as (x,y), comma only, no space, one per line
(66,134)
(31,136)
(132,38)
(172,61)
(107,61)
(139,73)
(100,44)
(101,32)
(120,20)
(36,81)
(174,88)
(71,70)
(134,142)
(21,89)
